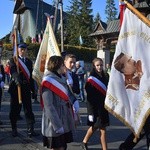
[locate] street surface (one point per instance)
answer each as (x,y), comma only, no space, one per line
(116,132)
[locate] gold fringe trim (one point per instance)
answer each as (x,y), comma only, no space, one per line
(127,124)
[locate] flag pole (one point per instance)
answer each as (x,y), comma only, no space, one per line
(17,64)
(61,22)
(137,13)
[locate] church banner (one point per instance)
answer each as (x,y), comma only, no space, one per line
(128,93)
(48,48)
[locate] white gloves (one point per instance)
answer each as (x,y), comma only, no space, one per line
(60,130)
(2,84)
(91,118)
(69,82)
(76,106)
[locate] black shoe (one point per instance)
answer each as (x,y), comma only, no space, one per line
(14,133)
(121,147)
(84,146)
(19,118)
(32,133)
(1,122)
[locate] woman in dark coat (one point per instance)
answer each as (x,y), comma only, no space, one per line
(98,117)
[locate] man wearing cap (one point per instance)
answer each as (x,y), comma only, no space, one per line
(24,79)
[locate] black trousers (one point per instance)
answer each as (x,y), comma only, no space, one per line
(26,103)
(129,144)
(0,98)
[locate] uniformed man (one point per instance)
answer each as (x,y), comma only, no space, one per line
(25,81)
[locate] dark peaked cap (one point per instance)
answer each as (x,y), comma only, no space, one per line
(22,45)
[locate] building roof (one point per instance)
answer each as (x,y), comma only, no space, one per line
(32,16)
(112,27)
(141,4)
(100,28)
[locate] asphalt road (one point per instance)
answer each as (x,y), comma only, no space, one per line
(116,132)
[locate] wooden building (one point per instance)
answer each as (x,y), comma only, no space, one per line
(30,18)
(106,35)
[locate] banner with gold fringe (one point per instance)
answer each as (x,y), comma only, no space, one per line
(128,93)
(48,48)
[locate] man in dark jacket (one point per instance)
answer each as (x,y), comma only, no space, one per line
(23,78)
(2,80)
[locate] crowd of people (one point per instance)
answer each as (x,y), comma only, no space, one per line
(62,88)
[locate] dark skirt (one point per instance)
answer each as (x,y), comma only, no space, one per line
(57,142)
(98,122)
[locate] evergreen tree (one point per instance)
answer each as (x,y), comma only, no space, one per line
(86,21)
(7,39)
(79,22)
(110,10)
(72,26)
(97,18)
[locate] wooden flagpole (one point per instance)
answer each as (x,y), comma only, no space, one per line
(143,19)
(17,64)
(137,13)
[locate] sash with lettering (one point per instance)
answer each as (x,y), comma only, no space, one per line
(97,84)
(55,87)
(24,69)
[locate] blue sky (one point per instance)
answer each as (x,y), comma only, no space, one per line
(7,6)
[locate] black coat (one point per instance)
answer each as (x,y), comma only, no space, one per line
(20,78)
(96,100)
(75,87)
(26,88)
(2,79)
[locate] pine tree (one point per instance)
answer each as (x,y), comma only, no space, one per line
(79,22)
(72,25)
(86,21)
(110,10)
(97,18)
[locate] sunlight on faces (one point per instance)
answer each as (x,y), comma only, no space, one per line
(98,65)
(77,64)
(70,63)
(22,51)
(107,66)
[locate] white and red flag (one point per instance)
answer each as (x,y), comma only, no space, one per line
(122,7)
(128,93)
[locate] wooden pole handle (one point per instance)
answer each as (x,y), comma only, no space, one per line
(17,64)
(137,13)
(19,94)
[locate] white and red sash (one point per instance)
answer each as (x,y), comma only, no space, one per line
(24,69)
(97,84)
(55,87)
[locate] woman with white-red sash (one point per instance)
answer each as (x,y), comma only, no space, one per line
(57,118)
(98,118)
